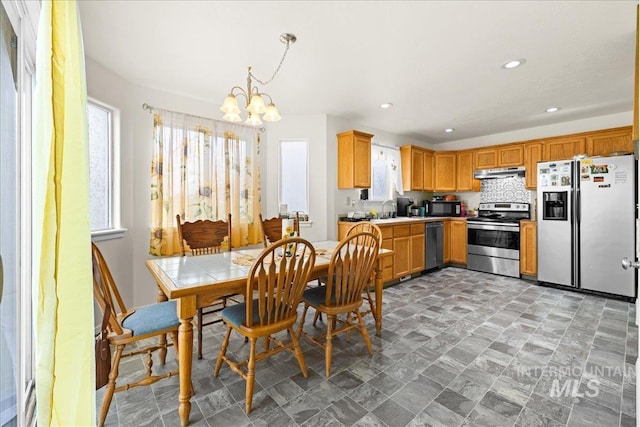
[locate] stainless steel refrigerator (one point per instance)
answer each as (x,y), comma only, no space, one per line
(586,223)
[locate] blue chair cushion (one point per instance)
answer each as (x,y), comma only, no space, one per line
(315,296)
(152,318)
(236,313)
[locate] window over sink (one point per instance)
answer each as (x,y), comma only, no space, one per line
(386,173)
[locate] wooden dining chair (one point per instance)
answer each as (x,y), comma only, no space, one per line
(350,270)
(357,228)
(276,284)
(272,229)
(206,237)
(131,325)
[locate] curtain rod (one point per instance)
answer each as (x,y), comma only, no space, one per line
(146,106)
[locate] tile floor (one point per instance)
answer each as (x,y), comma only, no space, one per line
(457,348)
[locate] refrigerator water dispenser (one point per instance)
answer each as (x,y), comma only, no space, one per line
(555,205)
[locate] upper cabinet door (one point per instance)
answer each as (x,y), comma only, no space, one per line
(564,148)
(464,170)
(486,158)
(354,159)
(417,170)
(428,177)
(606,142)
(512,155)
(533,153)
(445,175)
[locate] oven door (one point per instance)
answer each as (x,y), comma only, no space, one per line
(494,239)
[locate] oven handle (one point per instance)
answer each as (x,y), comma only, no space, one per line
(496,227)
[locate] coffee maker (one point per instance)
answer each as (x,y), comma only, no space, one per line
(404,205)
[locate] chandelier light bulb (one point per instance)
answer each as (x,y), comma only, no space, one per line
(272,114)
(232,117)
(257,105)
(230,105)
(253,120)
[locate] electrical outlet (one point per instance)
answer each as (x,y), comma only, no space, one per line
(348,201)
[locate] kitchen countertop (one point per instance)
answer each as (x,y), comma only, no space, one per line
(408,219)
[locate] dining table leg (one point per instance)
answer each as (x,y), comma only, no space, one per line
(186,311)
(377,314)
(162,339)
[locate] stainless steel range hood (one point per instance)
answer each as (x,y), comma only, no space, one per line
(499,173)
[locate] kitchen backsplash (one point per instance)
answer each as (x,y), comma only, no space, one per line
(504,190)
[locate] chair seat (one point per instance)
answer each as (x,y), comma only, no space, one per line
(235,314)
(152,318)
(316,296)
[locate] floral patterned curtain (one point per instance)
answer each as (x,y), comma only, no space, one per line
(203,169)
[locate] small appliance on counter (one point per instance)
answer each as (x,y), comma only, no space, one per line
(442,208)
(414,211)
(404,204)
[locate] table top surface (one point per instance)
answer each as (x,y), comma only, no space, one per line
(183,275)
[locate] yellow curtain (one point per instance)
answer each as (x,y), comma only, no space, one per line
(63,310)
(203,169)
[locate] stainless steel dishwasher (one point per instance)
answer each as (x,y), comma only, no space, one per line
(434,232)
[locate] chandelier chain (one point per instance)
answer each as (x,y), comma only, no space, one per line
(284,55)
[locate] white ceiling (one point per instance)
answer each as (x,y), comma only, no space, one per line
(438,62)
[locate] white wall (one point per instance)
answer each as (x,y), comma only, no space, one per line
(314,129)
(126,257)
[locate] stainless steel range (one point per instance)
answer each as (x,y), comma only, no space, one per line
(493,242)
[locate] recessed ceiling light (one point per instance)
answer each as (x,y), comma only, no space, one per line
(449,130)
(552,109)
(386,105)
(513,64)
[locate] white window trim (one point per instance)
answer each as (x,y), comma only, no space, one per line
(24,17)
(116,231)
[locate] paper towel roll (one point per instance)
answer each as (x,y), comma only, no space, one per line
(288,229)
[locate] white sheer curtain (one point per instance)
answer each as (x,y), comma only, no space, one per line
(386,170)
(203,169)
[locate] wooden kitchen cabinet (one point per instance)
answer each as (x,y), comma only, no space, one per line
(429,171)
(528,248)
(417,168)
(445,170)
(486,158)
(458,242)
(603,143)
(387,262)
(564,148)
(401,250)
(499,156)
(464,172)
(343,227)
(417,247)
(533,153)
(510,156)
(354,159)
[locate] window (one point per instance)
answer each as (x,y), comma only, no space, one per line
(294,179)
(386,175)
(103,168)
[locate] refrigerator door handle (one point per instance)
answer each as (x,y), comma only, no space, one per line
(627,263)
(577,206)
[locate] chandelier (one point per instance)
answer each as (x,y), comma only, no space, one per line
(254,99)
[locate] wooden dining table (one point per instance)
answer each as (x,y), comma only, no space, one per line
(197,281)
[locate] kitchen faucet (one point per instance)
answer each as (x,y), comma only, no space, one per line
(393,204)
